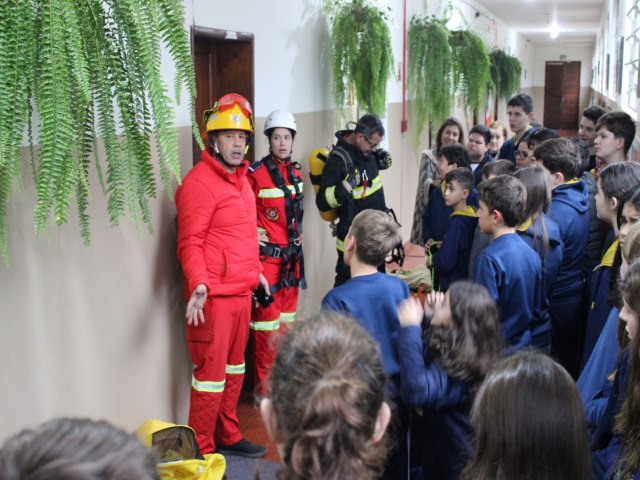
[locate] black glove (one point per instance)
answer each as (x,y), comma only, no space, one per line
(383,159)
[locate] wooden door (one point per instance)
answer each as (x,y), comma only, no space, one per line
(223,62)
(562,95)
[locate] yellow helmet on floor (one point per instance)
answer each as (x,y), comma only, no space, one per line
(231,112)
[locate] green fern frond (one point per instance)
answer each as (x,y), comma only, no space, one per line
(87,70)
(471,68)
(505,74)
(430,71)
(361,54)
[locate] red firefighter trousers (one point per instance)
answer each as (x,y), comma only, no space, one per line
(217,351)
(270,322)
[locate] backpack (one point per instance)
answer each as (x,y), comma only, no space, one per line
(178,454)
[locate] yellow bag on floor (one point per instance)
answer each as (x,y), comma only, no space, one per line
(177,451)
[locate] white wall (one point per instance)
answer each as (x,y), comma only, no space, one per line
(570,54)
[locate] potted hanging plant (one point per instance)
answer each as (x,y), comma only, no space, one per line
(361,53)
(505,74)
(471,69)
(89,70)
(430,70)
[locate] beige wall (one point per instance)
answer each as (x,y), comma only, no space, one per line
(98,331)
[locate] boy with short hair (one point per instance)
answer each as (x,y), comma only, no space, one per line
(451,262)
(615,132)
(570,209)
(478,146)
(509,268)
(587,131)
(435,219)
(372,298)
(520,111)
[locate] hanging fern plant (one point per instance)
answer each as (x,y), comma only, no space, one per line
(430,70)
(471,68)
(505,74)
(89,70)
(361,53)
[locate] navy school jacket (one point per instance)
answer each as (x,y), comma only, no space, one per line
(551,259)
(445,401)
(570,209)
(452,259)
(599,299)
(435,219)
(512,272)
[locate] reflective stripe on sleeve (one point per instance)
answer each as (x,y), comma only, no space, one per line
(287,317)
(330,195)
(339,245)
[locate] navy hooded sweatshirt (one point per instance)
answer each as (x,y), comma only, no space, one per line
(570,209)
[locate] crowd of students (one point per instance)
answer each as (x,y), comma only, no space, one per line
(533,320)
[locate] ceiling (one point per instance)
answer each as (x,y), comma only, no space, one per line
(578,20)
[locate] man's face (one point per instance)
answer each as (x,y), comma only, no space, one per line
(231,145)
(367,145)
(476,146)
(607,144)
(587,131)
(518,119)
(524,156)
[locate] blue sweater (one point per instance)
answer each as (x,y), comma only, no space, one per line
(373,300)
(570,209)
(512,272)
(452,259)
(447,434)
(599,306)
(551,259)
(435,219)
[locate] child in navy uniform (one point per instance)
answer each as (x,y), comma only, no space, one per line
(463,342)
(570,209)
(451,261)
(509,268)
(543,235)
(372,298)
(614,184)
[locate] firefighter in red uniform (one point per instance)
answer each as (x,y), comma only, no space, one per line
(277,184)
(218,251)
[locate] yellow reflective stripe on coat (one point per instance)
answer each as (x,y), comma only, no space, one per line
(207,386)
(235,369)
(361,192)
(330,195)
(265,326)
(287,317)
(276,192)
(340,245)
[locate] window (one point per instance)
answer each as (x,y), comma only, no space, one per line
(631,86)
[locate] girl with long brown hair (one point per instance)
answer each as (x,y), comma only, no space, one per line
(463,341)
(326,407)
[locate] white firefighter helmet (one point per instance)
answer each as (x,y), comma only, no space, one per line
(280,119)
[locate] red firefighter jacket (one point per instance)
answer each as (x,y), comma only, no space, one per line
(217,237)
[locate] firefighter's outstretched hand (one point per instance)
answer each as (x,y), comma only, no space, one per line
(410,312)
(265,284)
(195,305)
